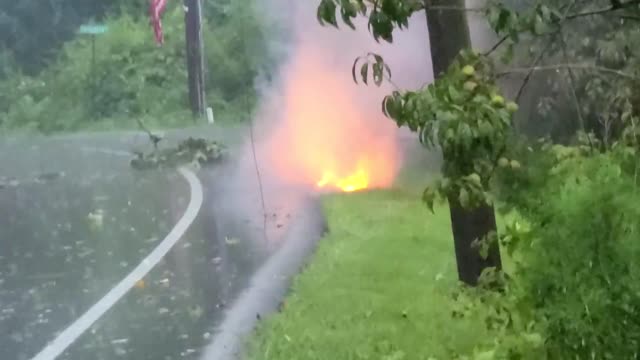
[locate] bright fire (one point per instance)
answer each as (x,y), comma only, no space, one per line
(354,182)
(332,136)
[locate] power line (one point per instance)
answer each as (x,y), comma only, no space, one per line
(257,167)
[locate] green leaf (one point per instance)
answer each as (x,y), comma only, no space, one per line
(507,55)
(485,355)
(545,13)
(391,108)
(449,134)
(378,73)
(429,196)
(492,14)
(327,13)
(381,26)
(483,249)
(454,94)
(485,128)
(500,18)
(364,73)
(348,11)
(379,60)
(535,339)
(556,16)
(480,99)
(463,198)
(361,7)
(426,134)
(539,25)
(465,134)
(385,105)
(353,69)
(390,8)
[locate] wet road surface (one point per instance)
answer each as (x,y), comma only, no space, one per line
(68,236)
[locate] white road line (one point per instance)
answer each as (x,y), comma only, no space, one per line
(84,322)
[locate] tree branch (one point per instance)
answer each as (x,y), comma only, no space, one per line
(531,70)
(153,138)
(452,8)
(613,7)
(630,17)
(574,94)
(587,67)
(496,45)
(544,50)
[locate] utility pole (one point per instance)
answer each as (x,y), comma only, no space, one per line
(195,55)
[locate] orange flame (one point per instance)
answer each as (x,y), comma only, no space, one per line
(357,181)
(329,137)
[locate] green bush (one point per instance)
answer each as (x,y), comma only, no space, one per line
(581,268)
(574,285)
(133,77)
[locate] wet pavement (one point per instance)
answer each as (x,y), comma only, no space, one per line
(74,221)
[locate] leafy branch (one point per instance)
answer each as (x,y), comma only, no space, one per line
(380,70)
(464,115)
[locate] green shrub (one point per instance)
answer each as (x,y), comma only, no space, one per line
(574,286)
(581,268)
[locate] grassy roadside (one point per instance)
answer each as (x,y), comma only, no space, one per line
(377,288)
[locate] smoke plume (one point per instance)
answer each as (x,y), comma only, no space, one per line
(314,125)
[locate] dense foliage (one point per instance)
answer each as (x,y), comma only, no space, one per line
(580,272)
(571,291)
(464,115)
(134,78)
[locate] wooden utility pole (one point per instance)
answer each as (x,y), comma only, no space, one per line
(195,55)
(448,34)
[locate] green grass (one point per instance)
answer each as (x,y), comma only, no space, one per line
(378,287)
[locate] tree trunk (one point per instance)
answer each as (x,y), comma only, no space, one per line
(195,58)
(448,34)
(469,225)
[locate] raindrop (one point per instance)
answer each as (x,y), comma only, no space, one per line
(120,341)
